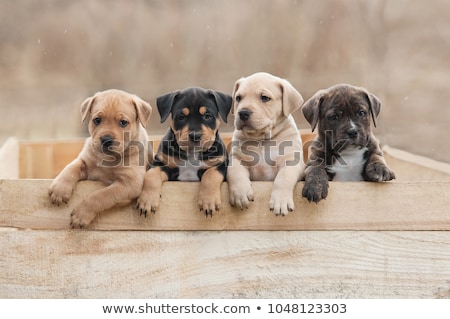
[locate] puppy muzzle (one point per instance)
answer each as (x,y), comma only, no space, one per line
(353,137)
(252,124)
(194,141)
(108,143)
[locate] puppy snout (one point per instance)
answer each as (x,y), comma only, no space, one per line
(107,141)
(352,133)
(244,115)
(195,136)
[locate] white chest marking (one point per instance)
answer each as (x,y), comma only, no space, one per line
(350,165)
(188,170)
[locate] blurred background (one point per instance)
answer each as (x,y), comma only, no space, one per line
(54,54)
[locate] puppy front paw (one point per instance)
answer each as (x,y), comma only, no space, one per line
(148,202)
(209,203)
(60,192)
(379,172)
(81,217)
(315,189)
(241,195)
(281,203)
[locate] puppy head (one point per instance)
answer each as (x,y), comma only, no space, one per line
(345,111)
(115,120)
(262,100)
(195,116)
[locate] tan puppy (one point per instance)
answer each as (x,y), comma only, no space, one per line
(266,144)
(117,153)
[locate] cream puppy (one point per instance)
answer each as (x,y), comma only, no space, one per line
(266,144)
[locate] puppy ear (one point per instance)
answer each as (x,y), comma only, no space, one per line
(164,103)
(311,108)
(86,107)
(143,110)
(374,106)
(233,99)
(292,99)
(223,102)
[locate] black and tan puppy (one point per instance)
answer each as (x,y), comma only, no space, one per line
(191,150)
(345,148)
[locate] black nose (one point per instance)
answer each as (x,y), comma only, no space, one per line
(107,141)
(352,133)
(195,136)
(244,115)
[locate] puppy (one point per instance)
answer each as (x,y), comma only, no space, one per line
(266,144)
(191,150)
(116,153)
(345,148)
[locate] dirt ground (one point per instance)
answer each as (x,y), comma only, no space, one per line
(54,54)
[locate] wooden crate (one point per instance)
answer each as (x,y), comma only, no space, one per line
(366,240)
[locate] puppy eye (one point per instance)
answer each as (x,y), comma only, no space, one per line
(181,117)
(123,123)
(265,98)
(238,98)
(207,116)
(333,117)
(362,113)
(97,121)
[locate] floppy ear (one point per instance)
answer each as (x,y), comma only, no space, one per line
(311,108)
(164,103)
(143,110)
(86,107)
(236,87)
(223,102)
(374,106)
(292,99)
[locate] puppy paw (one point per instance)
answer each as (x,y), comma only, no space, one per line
(209,203)
(148,202)
(379,172)
(281,203)
(81,217)
(60,192)
(315,190)
(241,195)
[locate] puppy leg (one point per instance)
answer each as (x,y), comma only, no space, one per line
(240,187)
(209,197)
(316,177)
(316,184)
(377,170)
(119,192)
(63,185)
(281,200)
(150,196)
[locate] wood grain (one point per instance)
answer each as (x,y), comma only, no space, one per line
(261,264)
(24,204)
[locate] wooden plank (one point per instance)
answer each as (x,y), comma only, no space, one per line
(46,159)
(416,159)
(9,158)
(284,264)
(350,206)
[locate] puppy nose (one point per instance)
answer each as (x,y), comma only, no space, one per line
(107,141)
(244,115)
(352,133)
(195,136)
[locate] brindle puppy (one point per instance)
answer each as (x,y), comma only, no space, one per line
(345,148)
